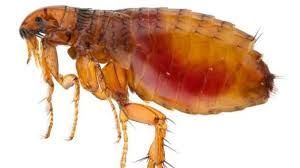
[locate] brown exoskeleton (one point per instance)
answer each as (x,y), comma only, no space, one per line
(177,58)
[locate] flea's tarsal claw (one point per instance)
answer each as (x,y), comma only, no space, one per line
(69,138)
(46,136)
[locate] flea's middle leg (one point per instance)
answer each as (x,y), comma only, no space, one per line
(104,90)
(123,120)
(92,79)
(66,82)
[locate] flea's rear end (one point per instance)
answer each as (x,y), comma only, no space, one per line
(195,63)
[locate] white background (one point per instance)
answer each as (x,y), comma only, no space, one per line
(262,136)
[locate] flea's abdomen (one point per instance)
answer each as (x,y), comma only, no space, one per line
(187,61)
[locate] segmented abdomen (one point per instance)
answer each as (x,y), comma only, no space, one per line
(185,60)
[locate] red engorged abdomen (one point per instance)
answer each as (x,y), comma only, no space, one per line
(161,72)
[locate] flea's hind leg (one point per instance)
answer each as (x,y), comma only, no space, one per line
(49,56)
(148,115)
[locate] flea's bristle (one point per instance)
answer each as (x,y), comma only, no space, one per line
(43,99)
(171,121)
(169,131)
(279,77)
(167,141)
(257,35)
(258,30)
(276,77)
(274,91)
(169,164)
(142,159)
(131,124)
(170,148)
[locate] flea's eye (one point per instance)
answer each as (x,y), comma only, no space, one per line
(38,20)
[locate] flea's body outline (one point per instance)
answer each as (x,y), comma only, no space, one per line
(177,58)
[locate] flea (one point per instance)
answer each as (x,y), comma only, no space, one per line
(179,59)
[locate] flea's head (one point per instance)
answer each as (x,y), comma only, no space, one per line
(255,79)
(41,23)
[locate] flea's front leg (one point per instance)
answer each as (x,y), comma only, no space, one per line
(49,56)
(48,79)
